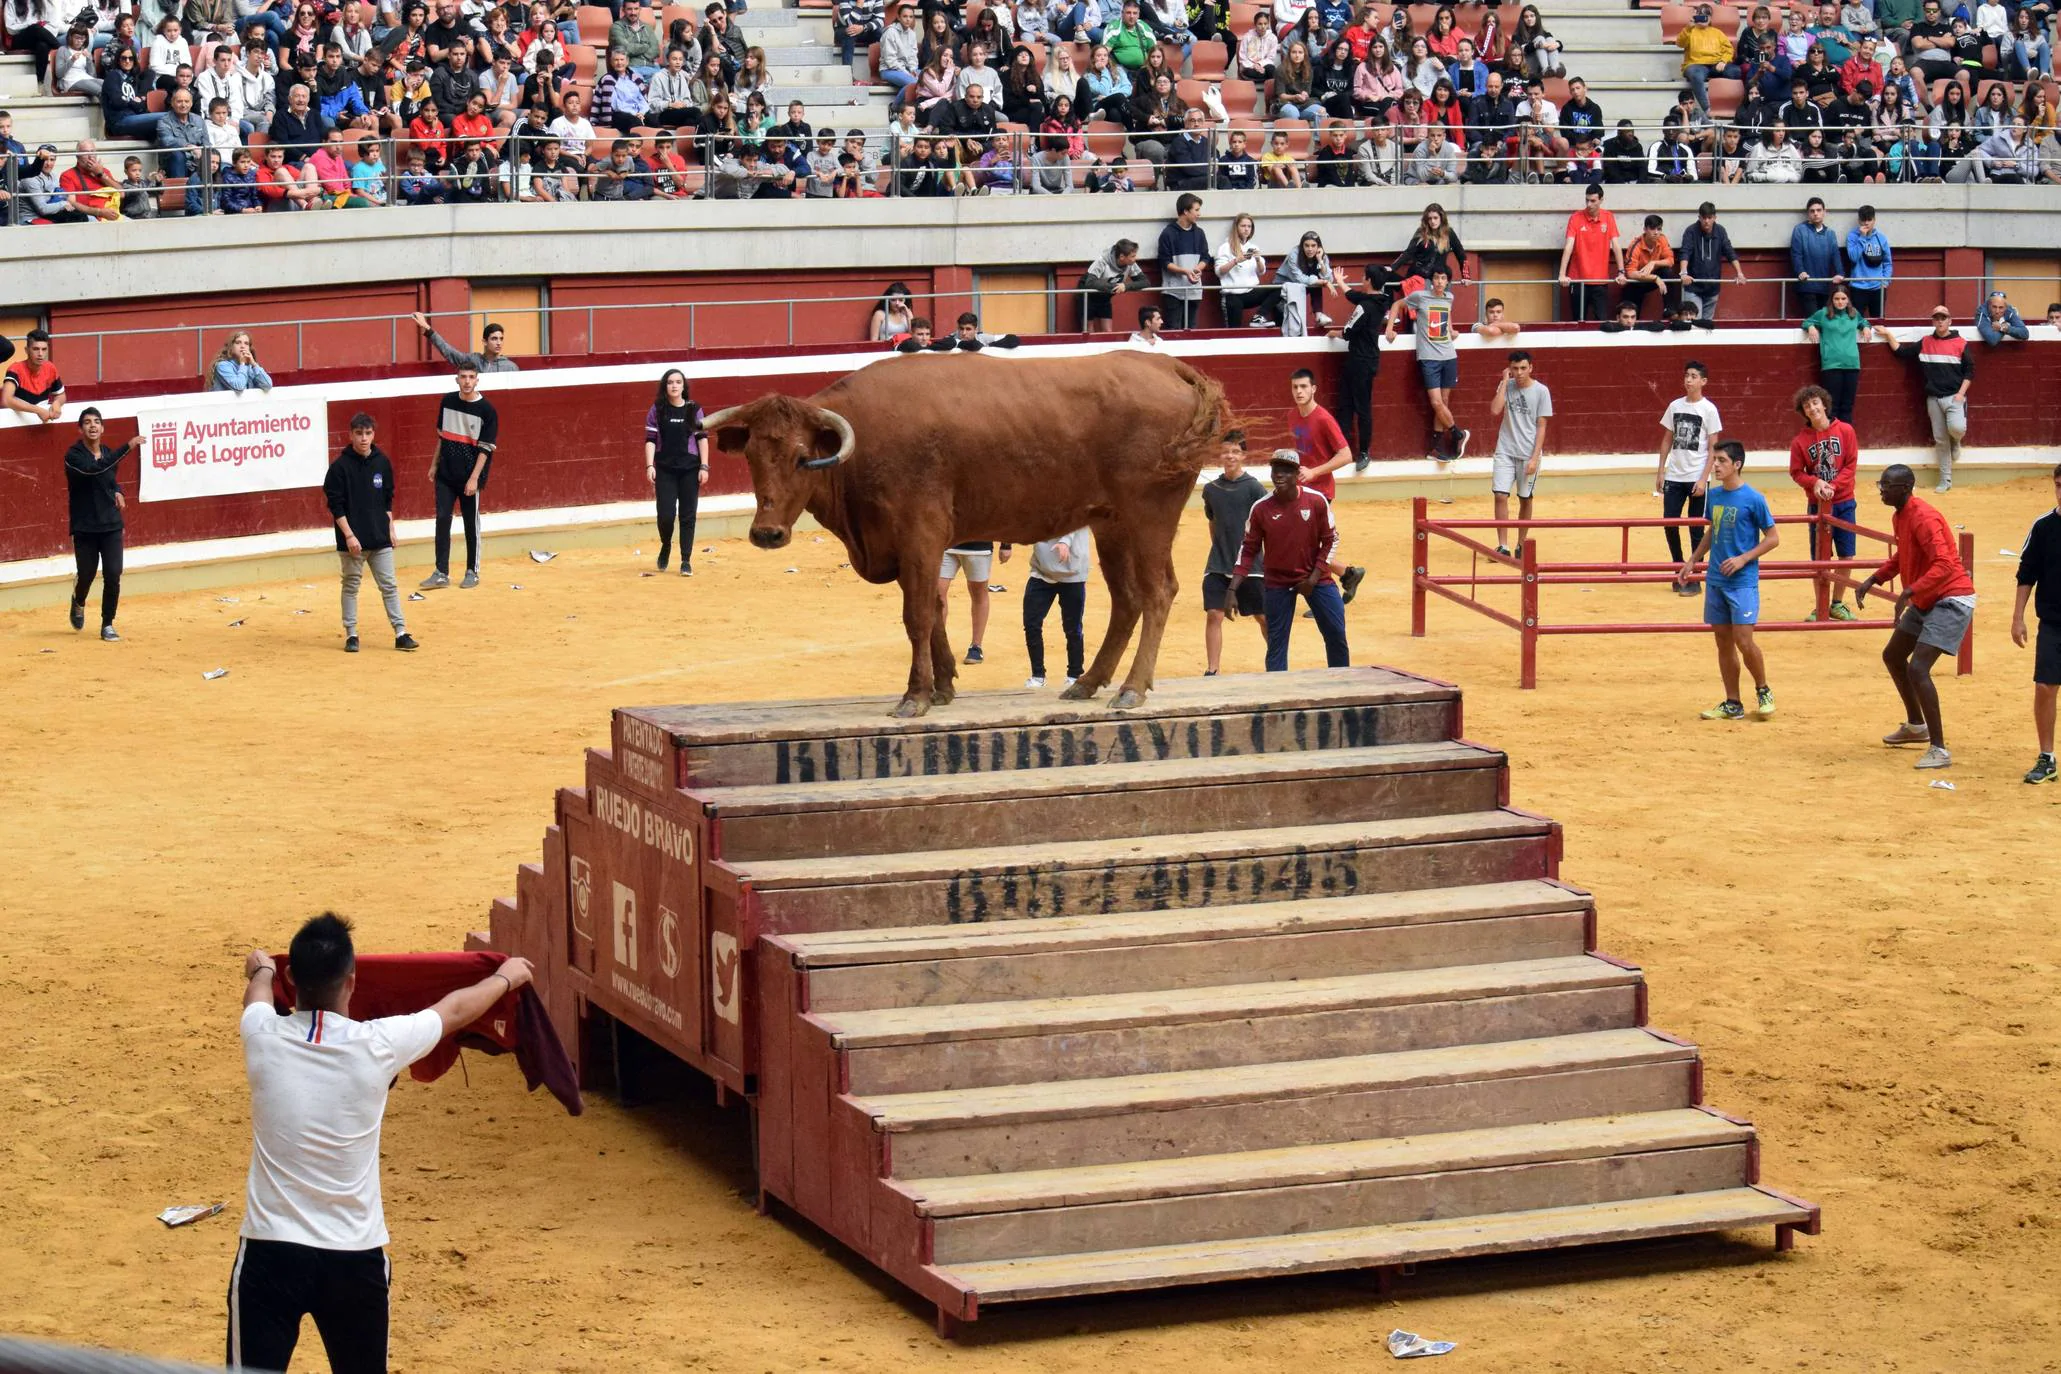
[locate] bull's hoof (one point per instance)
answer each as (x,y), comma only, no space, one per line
(1127,700)
(910,708)
(943,696)
(1082,690)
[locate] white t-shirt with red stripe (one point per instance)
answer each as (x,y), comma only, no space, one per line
(318,1086)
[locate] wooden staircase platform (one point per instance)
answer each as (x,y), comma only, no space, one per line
(1033,999)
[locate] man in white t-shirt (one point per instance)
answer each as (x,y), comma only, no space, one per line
(314,1227)
(1523,405)
(1683,472)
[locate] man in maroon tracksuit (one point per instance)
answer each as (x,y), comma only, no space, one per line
(1293,527)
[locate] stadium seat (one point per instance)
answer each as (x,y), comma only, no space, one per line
(1142,178)
(1188,91)
(873,60)
(1726,96)
(593,21)
(1206,63)
(1105,140)
(585,61)
(1240,98)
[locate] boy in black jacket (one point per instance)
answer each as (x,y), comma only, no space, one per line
(359,488)
(1363,360)
(467,429)
(96,504)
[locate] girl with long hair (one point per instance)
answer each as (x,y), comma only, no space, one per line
(1541,49)
(1837,330)
(1432,244)
(1241,273)
(1295,84)
(1335,79)
(236,367)
(1105,89)
(893,315)
(1446,35)
(1377,86)
(1306,268)
(676,464)
(1062,125)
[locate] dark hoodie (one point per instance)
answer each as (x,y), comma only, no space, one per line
(91,486)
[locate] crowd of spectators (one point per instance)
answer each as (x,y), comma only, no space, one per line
(416,102)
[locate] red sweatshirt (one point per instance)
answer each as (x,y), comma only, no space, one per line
(1297,535)
(1927,557)
(1828,455)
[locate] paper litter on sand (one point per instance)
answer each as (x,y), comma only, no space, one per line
(187,1215)
(540,556)
(417,596)
(1942,784)
(232,624)
(212,674)
(1408,1345)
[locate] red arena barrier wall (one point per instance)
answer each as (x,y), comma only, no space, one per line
(573,436)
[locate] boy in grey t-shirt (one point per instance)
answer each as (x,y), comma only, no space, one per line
(1228,499)
(1525,405)
(1438,365)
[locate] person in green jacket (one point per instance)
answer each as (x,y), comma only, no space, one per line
(1837,331)
(1129,39)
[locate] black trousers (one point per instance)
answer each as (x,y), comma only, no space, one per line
(1867,300)
(1356,401)
(1038,596)
(104,553)
(276,1283)
(1842,383)
(1180,314)
(678,492)
(468,509)
(1679,499)
(1237,304)
(1588,300)
(1669,286)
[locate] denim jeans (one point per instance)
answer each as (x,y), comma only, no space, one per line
(1326,605)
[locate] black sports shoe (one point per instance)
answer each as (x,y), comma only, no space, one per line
(406,644)
(351,645)
(78,615)
(2043,769)
(1460,437)
(1349,585)
(665,559)
(974,655)
(1361,462)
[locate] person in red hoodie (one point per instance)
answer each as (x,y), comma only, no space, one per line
(1290,535)
(1822,460)
(1933,612)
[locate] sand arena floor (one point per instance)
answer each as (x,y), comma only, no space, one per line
(1868,963)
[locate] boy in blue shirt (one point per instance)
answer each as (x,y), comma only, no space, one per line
(1742,531)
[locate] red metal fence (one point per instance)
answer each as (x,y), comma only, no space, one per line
(1529,575)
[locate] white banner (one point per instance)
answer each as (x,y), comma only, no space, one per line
(229,445)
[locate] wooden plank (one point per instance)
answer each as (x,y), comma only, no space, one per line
(721,722)
(818,949)
(1220,1002)
(1441,1195)
(1265,1082)
(1367,793)
(1005,1281)
(732,803)
(1194,963)
(1028,860)
(1180,1046)
(1293,1166)
(1062,744)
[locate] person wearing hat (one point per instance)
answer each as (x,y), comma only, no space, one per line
(1706,53)
(1289,536)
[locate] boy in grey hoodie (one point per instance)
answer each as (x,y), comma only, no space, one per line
(1059,572)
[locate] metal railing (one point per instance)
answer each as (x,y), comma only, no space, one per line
(583,323)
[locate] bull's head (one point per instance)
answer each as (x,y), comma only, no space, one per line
(788,444)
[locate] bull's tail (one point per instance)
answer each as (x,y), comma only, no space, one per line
(1195,446)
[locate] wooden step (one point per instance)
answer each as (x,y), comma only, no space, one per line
(1418,1242)
(1300,1165)
(1159,872)
(1116,1034)
(885,815)
(744,744)
(906,966)
(1267,1106)
(1437,1195)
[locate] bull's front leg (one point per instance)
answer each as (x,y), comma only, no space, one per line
(921,620)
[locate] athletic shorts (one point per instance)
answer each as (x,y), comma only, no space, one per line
(1216,592)
(1734,604)
(2046,654)
(977,565)
(1944,626)
(1439,374)
(1509,476)
(1096,306)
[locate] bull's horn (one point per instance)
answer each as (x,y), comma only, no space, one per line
(717,420)
(847,440)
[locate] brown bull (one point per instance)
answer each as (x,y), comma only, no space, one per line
(909,456)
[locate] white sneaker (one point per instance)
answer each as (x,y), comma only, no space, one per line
(1945,484)
(1033,683)
(1935,757)
(1069,682)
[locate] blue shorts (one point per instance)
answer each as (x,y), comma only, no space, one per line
(1439,374)
(1734,604)
(1842,540)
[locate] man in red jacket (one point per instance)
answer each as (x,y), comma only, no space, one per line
(1822,460)
(1933,612)
(1290,535)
